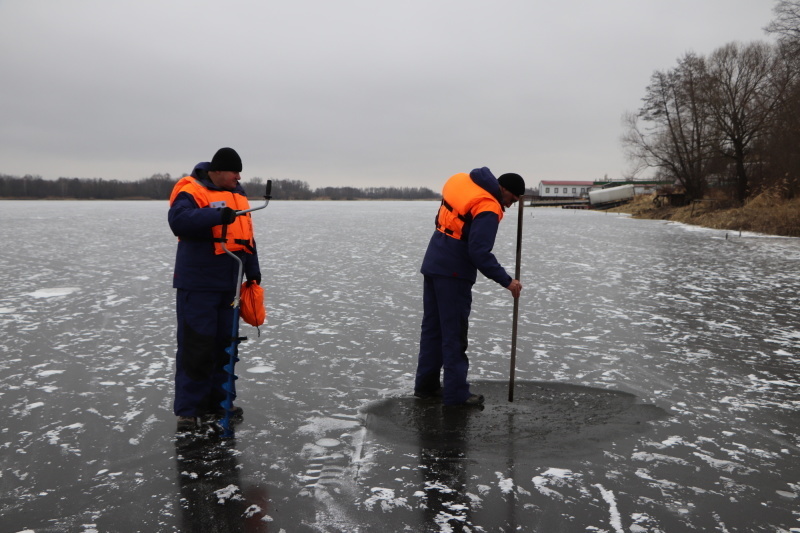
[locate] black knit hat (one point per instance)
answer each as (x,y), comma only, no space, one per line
(226,159)
(513,183)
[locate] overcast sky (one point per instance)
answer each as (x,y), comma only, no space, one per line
(341,92)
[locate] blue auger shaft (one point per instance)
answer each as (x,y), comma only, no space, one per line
(230,385)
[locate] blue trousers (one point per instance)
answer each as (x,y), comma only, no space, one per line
(443,340)
(205,324)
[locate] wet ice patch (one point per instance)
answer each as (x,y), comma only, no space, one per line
(53,292)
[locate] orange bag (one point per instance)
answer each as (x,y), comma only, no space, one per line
(251,304)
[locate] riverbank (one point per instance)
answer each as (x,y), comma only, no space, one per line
(765,213)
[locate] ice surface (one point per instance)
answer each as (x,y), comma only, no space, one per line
(657,375)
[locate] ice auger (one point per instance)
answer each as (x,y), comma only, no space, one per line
(233,350)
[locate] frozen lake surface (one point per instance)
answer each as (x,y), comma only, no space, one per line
(658,379)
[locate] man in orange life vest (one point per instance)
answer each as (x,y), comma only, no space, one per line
(466,227)
(206,278)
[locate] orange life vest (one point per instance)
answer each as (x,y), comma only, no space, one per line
(239,236)
(463,200)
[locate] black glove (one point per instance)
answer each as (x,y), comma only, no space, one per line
(257,279)
(228,215)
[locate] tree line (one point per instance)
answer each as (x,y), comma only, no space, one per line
(159,187)
(729,120)
(300,190)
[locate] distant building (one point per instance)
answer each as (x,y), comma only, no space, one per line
(564,189)
(640,186)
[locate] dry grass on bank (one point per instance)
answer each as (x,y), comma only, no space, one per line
(766,213)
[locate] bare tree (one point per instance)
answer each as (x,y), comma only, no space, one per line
(675,135)
(747,84)
(787,23)
(783,150)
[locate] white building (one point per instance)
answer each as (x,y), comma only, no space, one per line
(564,189)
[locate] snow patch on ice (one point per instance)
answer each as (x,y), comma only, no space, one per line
(48,373)
(724,465)
(318,426)
(552,476)
(261,369)
(443,519)
(608,496)
(228,493)
(506,484)
(785,383)
(386,499)
(53,292)
(438,486)
(252,511)
(672,441)
(650,457)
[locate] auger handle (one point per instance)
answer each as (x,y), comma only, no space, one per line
(267,198)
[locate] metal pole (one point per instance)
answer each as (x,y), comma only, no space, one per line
(516,302)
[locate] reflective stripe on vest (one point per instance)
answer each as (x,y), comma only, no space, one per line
(463,200)
(239,236)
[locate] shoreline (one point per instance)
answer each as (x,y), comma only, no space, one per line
(763,214)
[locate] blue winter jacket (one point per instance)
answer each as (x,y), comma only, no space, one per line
(449,257)
(197,267)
